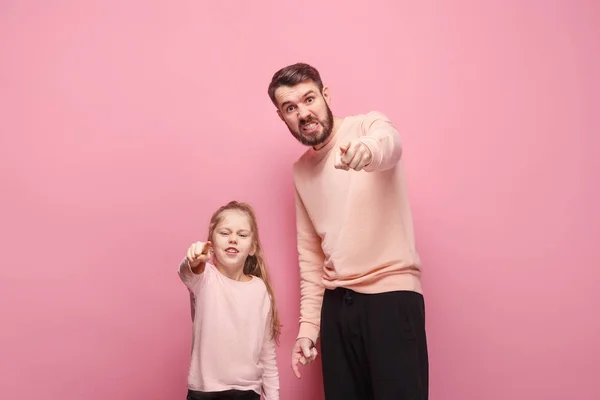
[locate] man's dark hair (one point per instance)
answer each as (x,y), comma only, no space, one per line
(293,75)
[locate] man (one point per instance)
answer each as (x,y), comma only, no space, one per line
(360,273)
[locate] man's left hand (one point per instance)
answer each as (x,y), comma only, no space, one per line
(353,155)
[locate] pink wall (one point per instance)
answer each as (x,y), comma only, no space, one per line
(120,121)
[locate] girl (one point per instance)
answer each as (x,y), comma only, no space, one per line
(235,322)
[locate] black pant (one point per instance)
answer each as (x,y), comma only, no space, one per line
(226,395)
(374,346)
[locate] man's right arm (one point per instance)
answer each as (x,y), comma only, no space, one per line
(311,260)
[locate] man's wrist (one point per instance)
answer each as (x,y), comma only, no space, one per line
(309,331)
(304,337)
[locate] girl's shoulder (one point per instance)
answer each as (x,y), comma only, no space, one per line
(260,286)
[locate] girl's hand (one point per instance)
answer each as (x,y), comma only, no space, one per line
(199,253)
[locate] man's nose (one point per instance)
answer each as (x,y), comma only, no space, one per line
(303,112)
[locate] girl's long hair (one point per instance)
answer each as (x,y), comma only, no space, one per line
(255,264)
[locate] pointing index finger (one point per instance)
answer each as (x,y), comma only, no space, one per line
(207,247)
(348,154)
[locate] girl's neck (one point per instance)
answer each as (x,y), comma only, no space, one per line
(236,275)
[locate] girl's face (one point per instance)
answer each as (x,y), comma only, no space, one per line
(232,240)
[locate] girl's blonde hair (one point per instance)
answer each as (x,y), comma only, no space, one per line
(255,264)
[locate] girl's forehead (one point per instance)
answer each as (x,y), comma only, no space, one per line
(235,219)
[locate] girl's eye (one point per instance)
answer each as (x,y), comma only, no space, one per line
(223,233)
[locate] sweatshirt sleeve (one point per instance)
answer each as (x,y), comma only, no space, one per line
(268,359)
(192,281)
(383,140)
(187,276)
(311,261)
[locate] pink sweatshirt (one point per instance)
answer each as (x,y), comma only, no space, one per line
(231,342)
(354,229)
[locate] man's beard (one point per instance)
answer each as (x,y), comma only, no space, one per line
(317,139)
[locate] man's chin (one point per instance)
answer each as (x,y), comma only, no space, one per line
(313,139)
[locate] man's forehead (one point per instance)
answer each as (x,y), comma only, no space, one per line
(294,93)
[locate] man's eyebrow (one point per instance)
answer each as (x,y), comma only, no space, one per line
(309,92)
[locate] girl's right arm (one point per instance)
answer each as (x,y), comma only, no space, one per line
(192,266)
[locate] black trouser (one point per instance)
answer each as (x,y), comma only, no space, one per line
(374,346)
(226,395)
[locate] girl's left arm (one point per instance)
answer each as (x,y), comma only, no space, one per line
(268,359)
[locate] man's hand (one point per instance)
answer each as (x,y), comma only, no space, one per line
(353,155)
(304,352)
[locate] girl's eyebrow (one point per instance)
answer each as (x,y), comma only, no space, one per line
(239,230)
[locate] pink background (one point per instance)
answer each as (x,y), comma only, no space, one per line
(124,124)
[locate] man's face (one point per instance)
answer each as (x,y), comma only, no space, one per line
(306,112)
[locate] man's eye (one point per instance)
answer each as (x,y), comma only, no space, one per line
(290,108)
(310,99)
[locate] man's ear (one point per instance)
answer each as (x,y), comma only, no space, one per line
(280,116)
(326,95)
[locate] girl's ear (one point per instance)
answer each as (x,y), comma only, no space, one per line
(252,250)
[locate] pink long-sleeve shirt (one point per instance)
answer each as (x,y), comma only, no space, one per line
(354,228)
(231,343)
